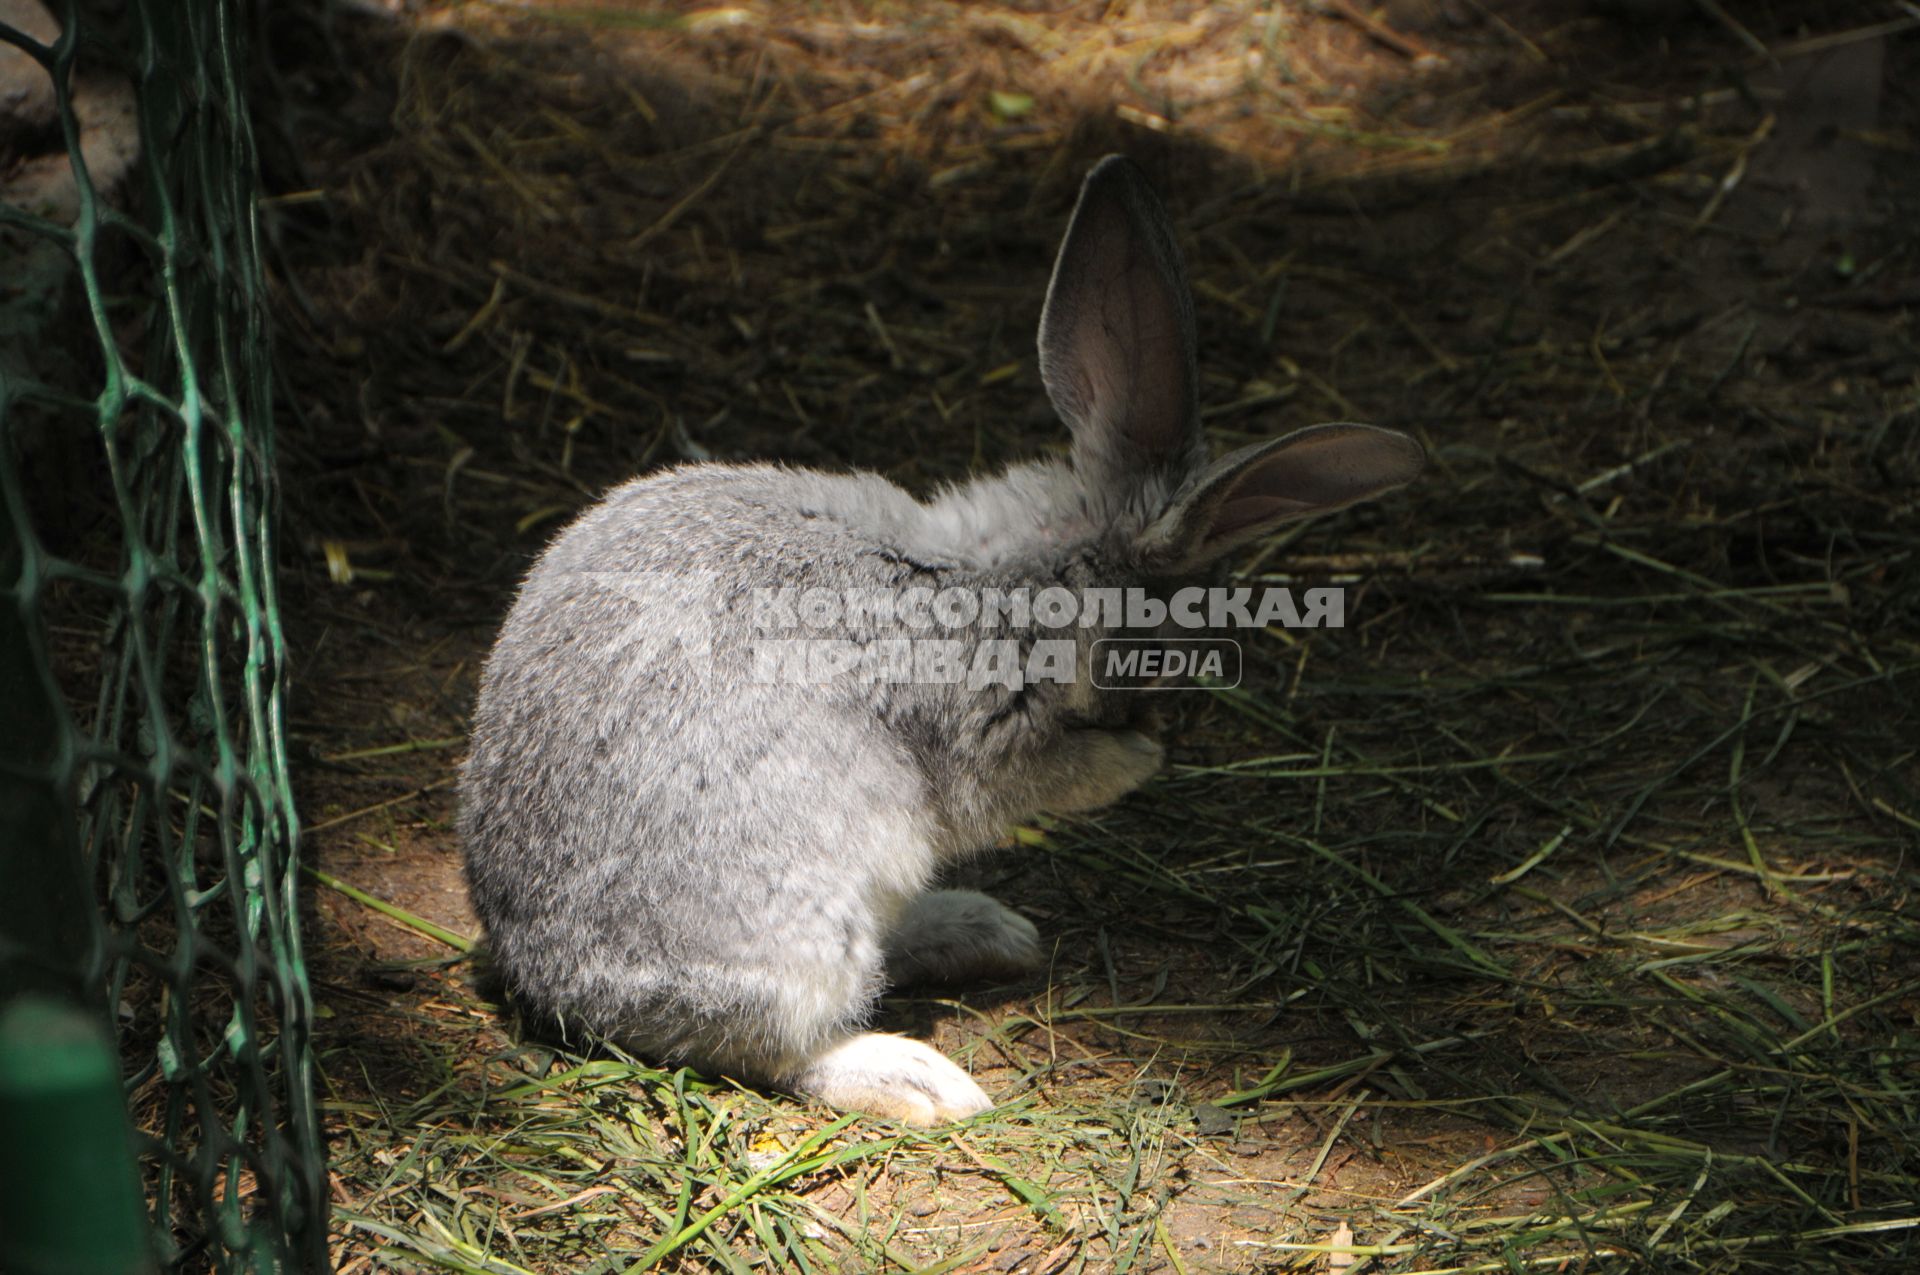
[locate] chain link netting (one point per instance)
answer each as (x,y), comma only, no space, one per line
(149,869)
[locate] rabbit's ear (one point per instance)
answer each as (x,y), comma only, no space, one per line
(1255,489)
(1116,337)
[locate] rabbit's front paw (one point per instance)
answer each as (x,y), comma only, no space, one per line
(949,936)
(1098,767)
(895,1077)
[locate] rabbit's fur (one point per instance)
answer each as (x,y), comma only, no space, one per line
(724,870)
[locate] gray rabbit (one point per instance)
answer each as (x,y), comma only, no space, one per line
(716,864)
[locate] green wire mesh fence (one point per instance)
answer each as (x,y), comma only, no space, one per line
(149,833)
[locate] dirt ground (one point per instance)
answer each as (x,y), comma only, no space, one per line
(1555,913)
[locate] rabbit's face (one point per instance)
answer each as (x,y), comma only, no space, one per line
(1124,614)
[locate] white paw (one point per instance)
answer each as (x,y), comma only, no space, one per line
(950,935)
(895,1077)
